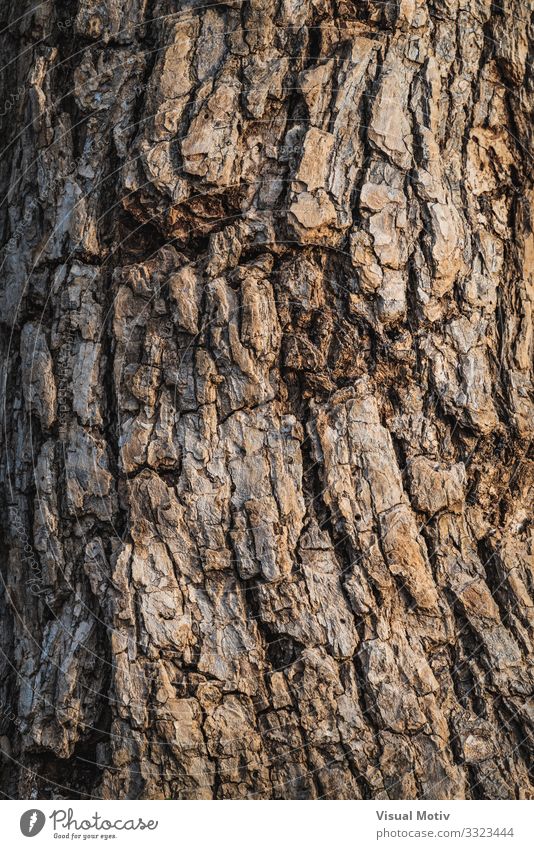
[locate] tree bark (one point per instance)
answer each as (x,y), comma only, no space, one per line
(266,300)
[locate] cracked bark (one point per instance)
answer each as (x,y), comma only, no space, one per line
(267,399)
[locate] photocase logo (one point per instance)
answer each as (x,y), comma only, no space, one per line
(32,822)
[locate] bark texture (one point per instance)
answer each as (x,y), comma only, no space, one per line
(266,297)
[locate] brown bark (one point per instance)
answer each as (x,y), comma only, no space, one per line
(266,296)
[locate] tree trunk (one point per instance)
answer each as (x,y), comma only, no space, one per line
(267,281)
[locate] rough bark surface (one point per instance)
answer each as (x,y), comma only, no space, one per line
(266,300)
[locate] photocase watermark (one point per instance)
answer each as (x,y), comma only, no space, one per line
(7,714)
(64,379)
(25,221)
(68,23)
(36,582)
(32,822)
(64,819)
(12,101)
(12,244)
(65,825)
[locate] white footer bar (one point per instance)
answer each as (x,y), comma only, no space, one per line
(269,825)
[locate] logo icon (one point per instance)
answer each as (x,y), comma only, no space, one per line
(32,822)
